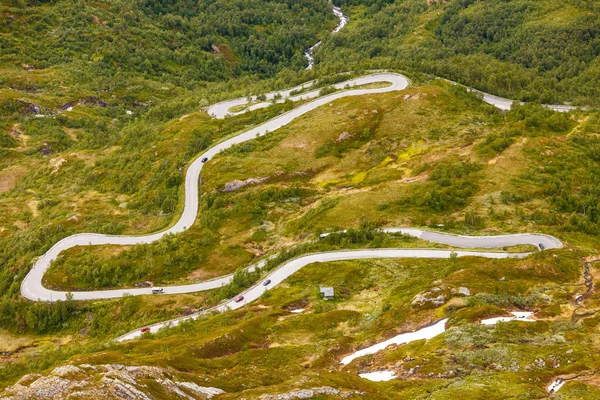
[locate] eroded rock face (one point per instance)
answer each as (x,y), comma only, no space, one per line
(109,381)
(309,394)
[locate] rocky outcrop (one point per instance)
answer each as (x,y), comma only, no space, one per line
(344,136)
(434,297)
(309,394)
(109,381)
(238,184)
(464,291)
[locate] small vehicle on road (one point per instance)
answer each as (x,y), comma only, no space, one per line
(265,283)
(239,298)
(204,159)
(542,247)
(158,290)
(145,329)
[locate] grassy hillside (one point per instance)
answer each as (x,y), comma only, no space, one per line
(102,109)
(427,156)
(264,348)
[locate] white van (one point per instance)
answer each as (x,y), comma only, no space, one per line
(157,290)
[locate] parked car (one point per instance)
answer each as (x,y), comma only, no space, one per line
(204,159)
(265,283)
(157,290)
(542,247)
(239,298)
(145,329)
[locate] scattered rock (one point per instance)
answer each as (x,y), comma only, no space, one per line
(45,149)
(309,394)
(425,298)
(344,136)
(93,101)
(56,163)
(33,108)
(27,67)
(68,106)
(464,291)
(237,184)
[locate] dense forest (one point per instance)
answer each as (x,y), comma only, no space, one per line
(182,42)
(527,49)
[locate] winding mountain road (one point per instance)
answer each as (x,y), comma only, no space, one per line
(290,267)
(222,109)
(33,289)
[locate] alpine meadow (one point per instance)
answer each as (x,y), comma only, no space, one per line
(317,199)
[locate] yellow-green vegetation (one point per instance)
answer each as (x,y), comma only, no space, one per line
(264,348)
(102,109)
(428,156)
(432,155)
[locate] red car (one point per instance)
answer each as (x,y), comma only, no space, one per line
(239,298)
(145,329)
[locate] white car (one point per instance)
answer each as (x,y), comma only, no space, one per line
(157,290)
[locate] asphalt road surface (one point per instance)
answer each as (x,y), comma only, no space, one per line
(33,289)
(290,267)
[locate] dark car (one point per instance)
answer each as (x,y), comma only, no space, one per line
(145,329)
(239,298)
(204,159)
(265,283)
(542,247)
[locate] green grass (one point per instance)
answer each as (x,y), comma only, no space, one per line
(401,166)
(248,351)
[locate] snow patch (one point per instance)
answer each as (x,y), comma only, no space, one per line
(425,333)
(517,316)
(556,385)
(379,376)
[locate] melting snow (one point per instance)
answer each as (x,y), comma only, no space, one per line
(298,311)
(425,333)
(379,376)
(517,316)
(556,385)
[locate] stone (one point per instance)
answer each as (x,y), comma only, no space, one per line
(464,291)
(238,184)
